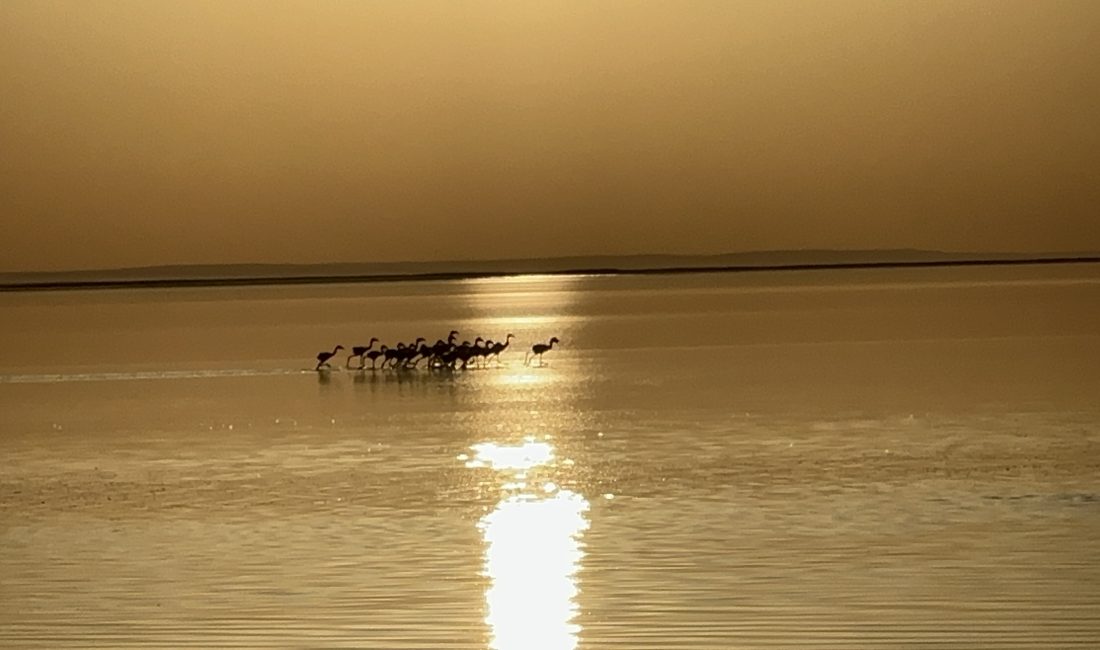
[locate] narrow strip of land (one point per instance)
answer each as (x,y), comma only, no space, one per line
(154,283)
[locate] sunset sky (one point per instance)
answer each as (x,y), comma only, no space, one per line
(144,132)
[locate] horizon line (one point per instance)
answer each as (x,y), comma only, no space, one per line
(937,254)
(152,283)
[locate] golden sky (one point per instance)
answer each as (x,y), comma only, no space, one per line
(136,132)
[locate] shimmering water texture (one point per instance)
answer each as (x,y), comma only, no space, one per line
(859,459)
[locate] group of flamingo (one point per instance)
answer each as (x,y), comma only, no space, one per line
(443,354)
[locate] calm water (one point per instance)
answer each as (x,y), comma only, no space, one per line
(836,460)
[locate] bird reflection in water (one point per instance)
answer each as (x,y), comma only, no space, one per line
(533,551)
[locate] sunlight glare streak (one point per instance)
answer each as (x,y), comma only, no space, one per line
(532,551)
(522,457)
(521,378)
(533,554)
(532,307)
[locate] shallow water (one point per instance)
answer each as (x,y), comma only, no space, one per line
(859,459)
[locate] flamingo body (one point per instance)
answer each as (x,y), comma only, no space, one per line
(323,357)
(538,349)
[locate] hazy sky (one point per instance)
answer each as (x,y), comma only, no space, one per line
(162,132)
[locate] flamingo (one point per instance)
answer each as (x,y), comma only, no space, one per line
(457,354)
(410,352)
(497,348)
(392,355)
(323,357)
(441,348)
(448,358)
(374,354)
(482,352)
(425,351)
(465,352)
(359,351)
(537,350)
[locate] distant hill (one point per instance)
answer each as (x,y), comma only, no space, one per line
(281,273)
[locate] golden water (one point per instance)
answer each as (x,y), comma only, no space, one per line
(859,460)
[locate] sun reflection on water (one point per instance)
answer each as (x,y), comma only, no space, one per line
(520,457)
(533,551)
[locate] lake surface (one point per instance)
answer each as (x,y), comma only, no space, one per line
(849,459)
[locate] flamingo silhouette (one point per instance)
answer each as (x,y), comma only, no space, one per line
(482,352)
(442,348)
(447,358)
(457,354)
(392,355)
(497,348)
(537,350)
(359,351)
(374,354)
(425,352)
(409,352)
(466,351)
(323,357)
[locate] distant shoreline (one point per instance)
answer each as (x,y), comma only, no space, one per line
(158,283)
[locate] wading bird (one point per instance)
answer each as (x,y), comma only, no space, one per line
(537,350)
(408,353)
(461,355)
(441,348)
(481,352)
(425,352)
(323,357)
(374,354)
(497,348)
(392,355)
(359,351)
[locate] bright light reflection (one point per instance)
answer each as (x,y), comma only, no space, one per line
(533,307)
(533,552)
(522,457)
(533,555)
(523,377)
